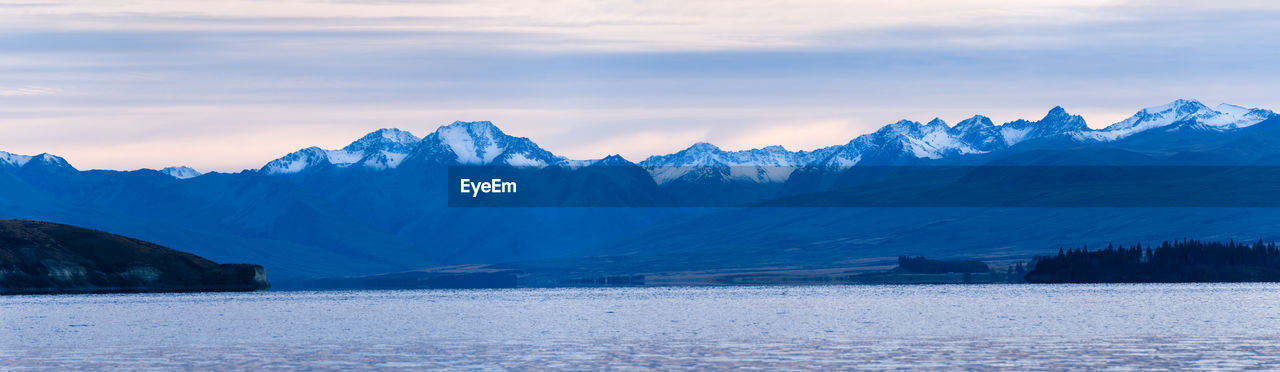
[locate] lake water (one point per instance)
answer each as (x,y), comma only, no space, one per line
(1018,327)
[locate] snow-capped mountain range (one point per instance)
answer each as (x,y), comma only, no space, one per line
(465,143)
(1188,114)
(906,140)
(382,149)
(482,143)
(18,161)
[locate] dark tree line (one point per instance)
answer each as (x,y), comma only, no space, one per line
(1181,261)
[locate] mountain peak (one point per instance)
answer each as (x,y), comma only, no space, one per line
(976,120)
(50,161)
(385,139)
(484,127)
(1188,113)
(1057,112)
(472,142)
(978,133)
(702,147)
(1179,106)
(900,128)
(44,160)
(481,143)
(13,160)
(612,160)
(768,164)
(297,161)
(904,123)
(1056,123)
(1059,120)
(181,172)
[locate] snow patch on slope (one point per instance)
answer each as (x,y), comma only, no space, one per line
(378,150)
(13,160)
(1224,117)
(181,173)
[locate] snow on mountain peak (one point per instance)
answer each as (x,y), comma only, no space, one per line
(977,121)
(979,133)
(903,126)
(381,149)
(932,141)
(478,142)
(703,154)
(473,142)
(768,164)
(1162,115)
(386,139)
(1234,116)
(181,172)
(13,160)
(1230,108)
(50,160)
(1064,119)
(1056,123)
(1059,115)
(46,159)
(702,147)
(482,143)
(297,161)
(905,139)
(1188,111)
(611,160)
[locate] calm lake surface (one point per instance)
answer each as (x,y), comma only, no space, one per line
(1019,327)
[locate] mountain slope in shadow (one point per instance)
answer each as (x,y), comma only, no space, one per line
(43,257)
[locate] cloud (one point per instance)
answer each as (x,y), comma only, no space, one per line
(649,26)
(665,25)
(27,91)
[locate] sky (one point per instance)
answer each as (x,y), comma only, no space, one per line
(230,85)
